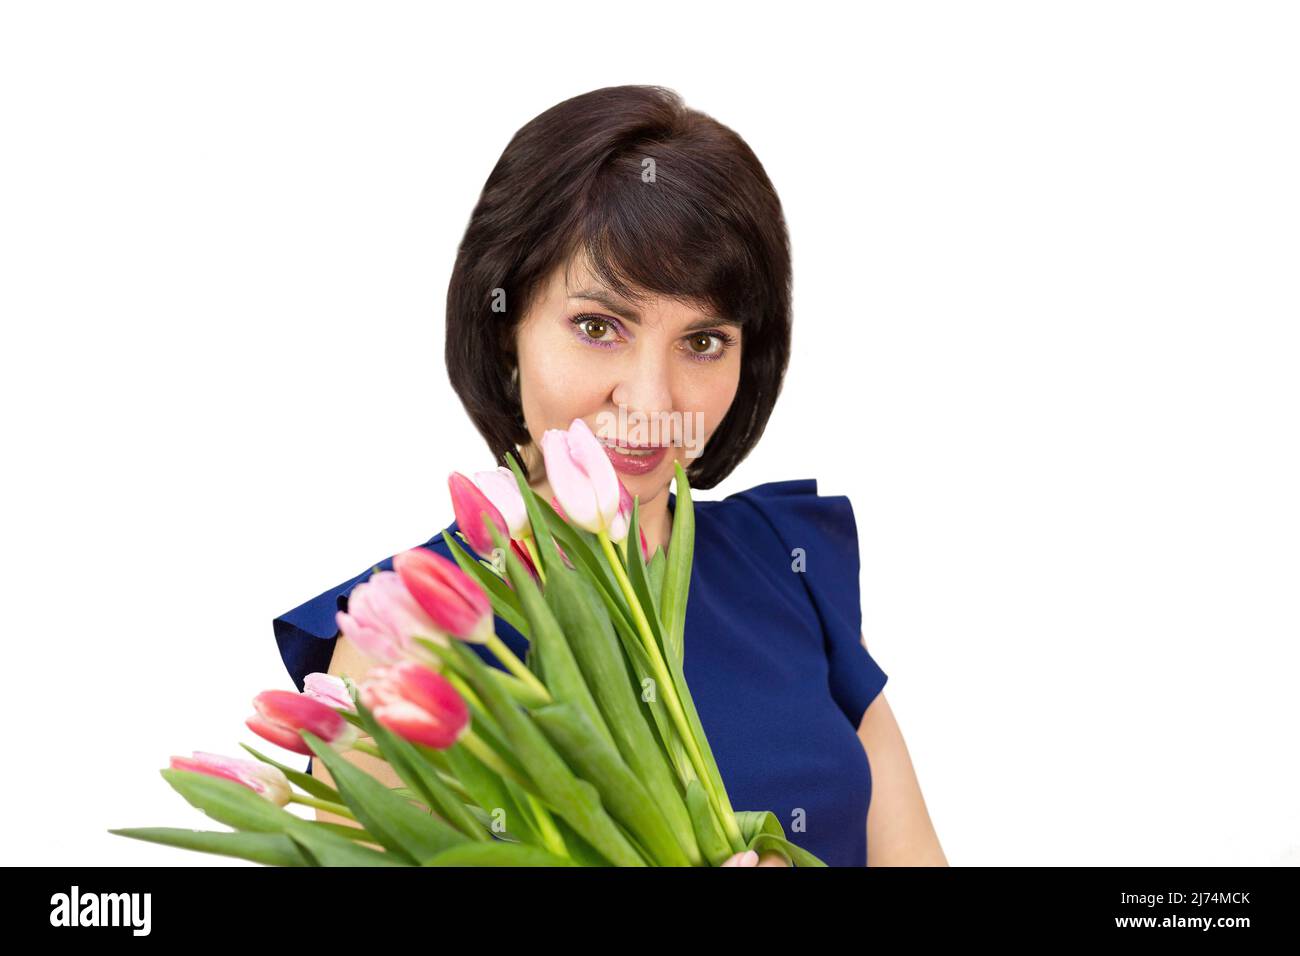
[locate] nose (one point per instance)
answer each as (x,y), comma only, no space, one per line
(644,389)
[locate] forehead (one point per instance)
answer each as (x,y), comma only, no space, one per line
(576,282)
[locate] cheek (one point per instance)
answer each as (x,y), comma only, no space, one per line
(714,397)
(565,384)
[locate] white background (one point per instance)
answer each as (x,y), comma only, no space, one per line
(1046,309)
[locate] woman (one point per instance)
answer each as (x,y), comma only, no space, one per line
(627,264)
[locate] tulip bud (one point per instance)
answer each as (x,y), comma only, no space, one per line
(416,703)
(502,489)
(453,600)
(582,476)
(469,503)
(383,617)
(328,689)
(282,715)
(262,778)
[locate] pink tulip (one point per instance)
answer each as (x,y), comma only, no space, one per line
(382,618)
(262,778)
(282,715)
(328,689)
(455,602)
(502,489)
(582,477)
(468,503)
(416,703)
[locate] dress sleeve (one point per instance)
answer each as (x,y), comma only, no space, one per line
(825,528)
(307,634)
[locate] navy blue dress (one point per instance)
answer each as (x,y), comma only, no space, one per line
(773,656)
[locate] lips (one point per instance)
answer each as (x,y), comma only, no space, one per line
(627,444)
(645,459)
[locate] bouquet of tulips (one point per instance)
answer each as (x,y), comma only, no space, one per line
(587,753)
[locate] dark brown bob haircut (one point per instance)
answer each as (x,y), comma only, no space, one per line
(701,224)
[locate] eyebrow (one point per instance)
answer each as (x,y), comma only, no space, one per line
(625,311)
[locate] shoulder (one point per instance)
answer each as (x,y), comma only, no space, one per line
(797,512)
(305,633)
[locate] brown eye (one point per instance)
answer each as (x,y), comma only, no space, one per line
(705,341)
(601,326)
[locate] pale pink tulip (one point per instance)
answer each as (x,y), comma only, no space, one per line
(282,715)
(328,689)
(382,618)
(449,597)
(262,778)
(582,477)
(416,703)
(502,490)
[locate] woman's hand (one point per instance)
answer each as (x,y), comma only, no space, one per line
(751,858)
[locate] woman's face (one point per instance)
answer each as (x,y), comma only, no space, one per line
(658,372)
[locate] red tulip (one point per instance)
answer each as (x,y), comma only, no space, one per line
(282,715)
(261,778)
(455,602)
(468,503)
(525,557)
(416,703)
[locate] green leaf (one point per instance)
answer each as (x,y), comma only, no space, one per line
(491,792)
(396,824)
(617,689)
(655,573)
(324,848)
(754,822)
(677,575)
(713,844)
(662,726)
(697,730)
(622,794)
(497,854)
(579,850)
(237,806)
(229,802)
(634,565)
(764,842)
(357,833)
(421,776)
(271,849)
(576,800)
(564,678)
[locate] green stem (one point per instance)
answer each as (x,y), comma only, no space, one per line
(675,709)
(546,827)
(481,749)
(507,657)
(537,558)
(326,805)
(368,748)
